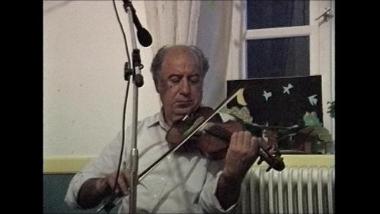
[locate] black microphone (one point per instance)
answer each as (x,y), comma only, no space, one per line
(143,34)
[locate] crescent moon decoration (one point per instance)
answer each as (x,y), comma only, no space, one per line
(240,98)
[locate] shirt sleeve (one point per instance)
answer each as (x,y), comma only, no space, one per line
(99,167)
(208,200)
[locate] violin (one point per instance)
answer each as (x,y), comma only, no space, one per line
(188,130)
(214,137)
(206,131)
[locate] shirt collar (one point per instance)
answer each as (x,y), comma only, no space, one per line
(158,119)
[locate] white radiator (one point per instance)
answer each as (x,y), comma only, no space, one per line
(293,190)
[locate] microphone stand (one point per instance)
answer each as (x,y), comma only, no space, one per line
(138,82)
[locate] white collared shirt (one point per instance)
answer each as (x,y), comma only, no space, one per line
(181,183)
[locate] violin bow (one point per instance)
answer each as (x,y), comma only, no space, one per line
(194,130)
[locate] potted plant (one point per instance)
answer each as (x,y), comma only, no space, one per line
(314,138)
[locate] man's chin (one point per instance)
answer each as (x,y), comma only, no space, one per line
(182,111)
(179,115)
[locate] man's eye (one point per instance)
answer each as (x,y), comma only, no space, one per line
(194,79)
(175,79)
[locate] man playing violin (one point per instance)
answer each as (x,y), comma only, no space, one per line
(183,182)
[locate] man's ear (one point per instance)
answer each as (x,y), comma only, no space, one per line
(158,86)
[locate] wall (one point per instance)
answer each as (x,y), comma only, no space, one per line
(55,187)
(57,177)
(83,77)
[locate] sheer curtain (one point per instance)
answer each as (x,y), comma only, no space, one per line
(214,26)
(172,22)
(221,38)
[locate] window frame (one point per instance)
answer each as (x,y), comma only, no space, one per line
(321,46)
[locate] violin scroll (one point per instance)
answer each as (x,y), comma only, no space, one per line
(274,161)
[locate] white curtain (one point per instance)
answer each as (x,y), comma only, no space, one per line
(214,26)
(172,22)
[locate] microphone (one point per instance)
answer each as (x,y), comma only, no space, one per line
(143,34)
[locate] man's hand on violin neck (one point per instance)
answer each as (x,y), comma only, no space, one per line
(241,154)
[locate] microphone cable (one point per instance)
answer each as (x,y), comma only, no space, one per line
(109,204)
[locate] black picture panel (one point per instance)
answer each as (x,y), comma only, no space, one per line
(279,101)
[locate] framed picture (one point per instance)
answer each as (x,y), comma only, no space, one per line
(286,104)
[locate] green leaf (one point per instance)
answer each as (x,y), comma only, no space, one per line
(322,134)
(331,109)
(311,119)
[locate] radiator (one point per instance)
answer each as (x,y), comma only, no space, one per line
(293,190)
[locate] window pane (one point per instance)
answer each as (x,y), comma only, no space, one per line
(278,57)
(283,13)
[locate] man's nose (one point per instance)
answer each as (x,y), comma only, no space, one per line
(185,87)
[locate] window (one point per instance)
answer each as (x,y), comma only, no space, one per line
(277,55)
(291,38)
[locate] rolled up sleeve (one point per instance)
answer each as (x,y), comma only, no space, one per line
(208,200)
(105,164)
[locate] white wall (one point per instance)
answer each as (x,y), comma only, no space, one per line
(84,86)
